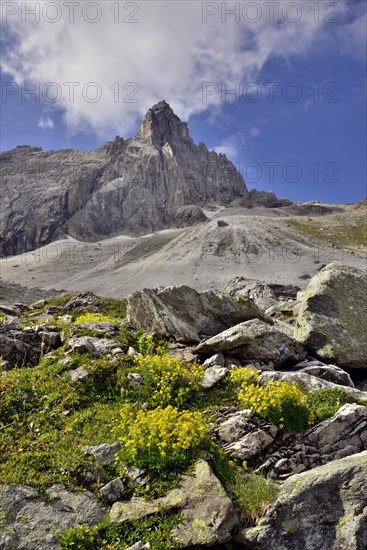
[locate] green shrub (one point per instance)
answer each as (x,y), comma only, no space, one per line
(161,440)
(155,529)
(281,403)
(166,381)
(325,403)
(251,494)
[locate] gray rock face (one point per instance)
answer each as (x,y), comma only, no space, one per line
(342,435)
(26,345)
(332,319)
(310,382)
(95,346)
(156,180)
(186,315)
(325,508)
(254,340)
(30,521)
(331,373)
(267,199)
(209,516)
(243,435)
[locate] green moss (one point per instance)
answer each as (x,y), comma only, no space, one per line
(289,527)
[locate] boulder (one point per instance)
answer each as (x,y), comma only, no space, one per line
(99,327)
(104,453)
(182,313)
(182,353)
(309,382)
(11,323)
(325,508)
(30,521)
(254,340)
(331,373)
(24,347)
(114,490)
(332,319)
(208,514)
(211,376)
(250,445)
(95,346)
(216,360)
(343,434)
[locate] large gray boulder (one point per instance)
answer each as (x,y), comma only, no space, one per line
(323,509)
(208,514)
(30,521)
(182,313)
(309,382)
(332,321)
(331,373)
(254,340)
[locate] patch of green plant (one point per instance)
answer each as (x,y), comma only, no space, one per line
(158,485)
(155,529)
(338,230)
(113,308)
(45,418)
(220,395)
(281,403)
(166,381)
(223,467)
(60,301)
(162,439)
(325,403)
(362,402)
(251,495)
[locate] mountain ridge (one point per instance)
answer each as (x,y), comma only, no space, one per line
(157,180)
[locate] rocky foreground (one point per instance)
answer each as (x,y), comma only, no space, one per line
(188,419)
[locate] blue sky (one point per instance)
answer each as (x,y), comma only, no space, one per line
(307,141)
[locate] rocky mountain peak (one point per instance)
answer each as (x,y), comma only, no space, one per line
(161,125)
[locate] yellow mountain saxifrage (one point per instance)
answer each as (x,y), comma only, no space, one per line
(281,403)
(166,381)
(161,440)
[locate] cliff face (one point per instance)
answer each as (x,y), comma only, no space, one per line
(156,180)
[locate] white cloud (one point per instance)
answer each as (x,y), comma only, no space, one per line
(254,132)
(168,54)
(46,123)
(231,146)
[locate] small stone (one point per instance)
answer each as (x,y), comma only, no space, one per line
(104,453)
(216,360)
(114,490)
(132,351)
(140,546)
(4,365)
(212,376)
(66,318)
(79,375)
(135,379)
(11,323)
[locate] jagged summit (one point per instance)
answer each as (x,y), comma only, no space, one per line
(156,180)
(161,125)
